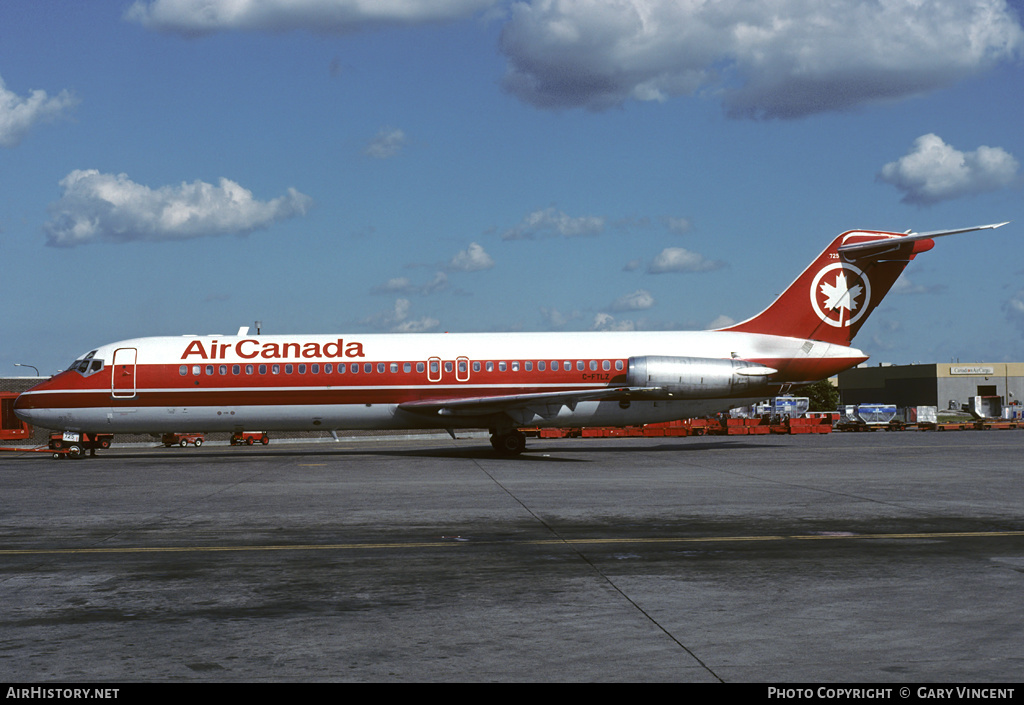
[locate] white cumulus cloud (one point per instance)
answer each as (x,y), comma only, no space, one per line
(19,115)
(403,285)
(198,17)
(397,320)
(637,301)
(771,59)
(776,59)
(605,321)
(934,171)
(387,143)
(553,222)
(472,259)
(678,259)
(97,207)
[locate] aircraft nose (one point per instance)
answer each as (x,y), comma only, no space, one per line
(23,409)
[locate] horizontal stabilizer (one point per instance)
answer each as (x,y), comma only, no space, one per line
(860,247)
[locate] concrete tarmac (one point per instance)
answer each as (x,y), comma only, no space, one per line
(840,558)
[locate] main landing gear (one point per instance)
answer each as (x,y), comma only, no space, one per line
(508,443)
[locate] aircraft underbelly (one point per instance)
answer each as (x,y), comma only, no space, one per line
(330,417)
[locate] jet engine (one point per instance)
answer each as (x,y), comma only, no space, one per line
(699,377)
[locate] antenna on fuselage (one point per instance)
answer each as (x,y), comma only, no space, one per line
(259,324)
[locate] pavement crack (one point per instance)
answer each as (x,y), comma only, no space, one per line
(600,573)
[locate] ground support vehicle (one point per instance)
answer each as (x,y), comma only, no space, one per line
(72,444)
(247,438)
(182,439)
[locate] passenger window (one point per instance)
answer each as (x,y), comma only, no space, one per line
(380,367)
(328,368)
(263,369)
(341,368)
(502,366)
(236,369)
(434,367)
(528,365)
(406,367)
(540,365)
(476,365)
(618,365)
(315,369)
(248,369)
(355,368)
(448,366)
(183,370)
(209,369)
(606,365)
(579,365)
(288,369)
(367,367)
(419,367)
(223,369)
(554,365)
(490,366)
(593,365)
(302,369)
(197,370)
(275,369)
(515,365)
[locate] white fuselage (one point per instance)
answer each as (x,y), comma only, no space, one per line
(302,382)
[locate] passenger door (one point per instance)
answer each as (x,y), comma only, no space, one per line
(122,373)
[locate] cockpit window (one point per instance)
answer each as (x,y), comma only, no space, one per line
(87,365)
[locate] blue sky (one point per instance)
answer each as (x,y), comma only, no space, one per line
(190,166)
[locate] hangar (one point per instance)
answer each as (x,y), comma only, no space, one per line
(945,386)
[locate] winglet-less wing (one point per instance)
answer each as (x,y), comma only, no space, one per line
(516,406)
(860,248)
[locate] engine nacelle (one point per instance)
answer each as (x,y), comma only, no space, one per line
(699,377)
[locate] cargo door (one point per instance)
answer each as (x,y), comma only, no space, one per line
(122,379)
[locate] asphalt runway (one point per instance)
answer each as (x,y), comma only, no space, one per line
(871,558)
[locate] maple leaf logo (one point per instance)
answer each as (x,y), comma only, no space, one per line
(841,294)
(844,300)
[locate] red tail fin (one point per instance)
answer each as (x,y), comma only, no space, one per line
(834,296)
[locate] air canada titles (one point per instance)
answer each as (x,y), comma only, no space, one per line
(249,348)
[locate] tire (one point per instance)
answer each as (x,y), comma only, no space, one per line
(509,444)
(198,442)
(183,442)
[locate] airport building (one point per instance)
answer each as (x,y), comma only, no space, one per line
(945,386)
(11,427)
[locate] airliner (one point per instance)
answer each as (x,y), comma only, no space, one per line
(496,381)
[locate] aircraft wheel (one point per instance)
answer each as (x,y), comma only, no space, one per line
(75,451)
(509,444)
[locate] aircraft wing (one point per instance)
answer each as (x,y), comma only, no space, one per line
(521,408)
(861,248)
